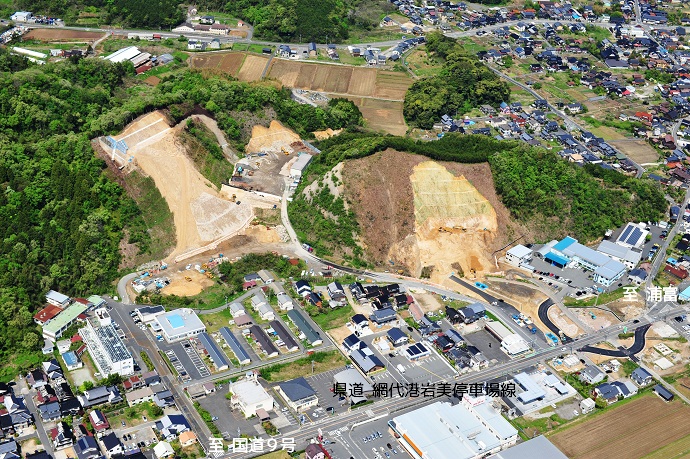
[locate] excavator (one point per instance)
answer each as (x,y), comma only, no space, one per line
(285,152)
(188,279)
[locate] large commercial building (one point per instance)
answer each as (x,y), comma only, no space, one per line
(57,326)
(180,324)
(106,348)
(250,396)
(472,429)
(569,252)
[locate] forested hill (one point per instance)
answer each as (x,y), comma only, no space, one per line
(61,218)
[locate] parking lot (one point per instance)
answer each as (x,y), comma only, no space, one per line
(322,383)
(231,423)
(487,345)
(185,360)
(142,438)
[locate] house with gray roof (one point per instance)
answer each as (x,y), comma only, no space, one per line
(591,374)
(298,394)
(641,377)
(305,328)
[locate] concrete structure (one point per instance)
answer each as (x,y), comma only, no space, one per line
(518,255)
(234,344)
(248,395)
(106,348)
(471,429)
(298,394)
(54,329)
(180,324)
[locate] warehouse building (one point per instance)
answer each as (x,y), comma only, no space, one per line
(180,324)
(234,344)
(472,429)
(297,168)
(519,255)
(629,257)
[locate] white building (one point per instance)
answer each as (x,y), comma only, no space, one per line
(285,302)
(299,165)
(472,429)
(250,396)
(514,345)
(163,450)
(630,257)
(236,309)
(22,16)
(106,348)
(57,298)
(587,405)
(180,324)
(519,255)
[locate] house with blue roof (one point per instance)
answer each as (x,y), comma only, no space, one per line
(397,337)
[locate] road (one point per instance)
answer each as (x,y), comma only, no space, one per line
(40,429)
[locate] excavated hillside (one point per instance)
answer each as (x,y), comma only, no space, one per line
(428,218)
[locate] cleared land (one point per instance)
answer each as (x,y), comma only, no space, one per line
(637,150)
(201,214)
(62,35)
(252,68)
(229,62)
(382,115)
(631,431)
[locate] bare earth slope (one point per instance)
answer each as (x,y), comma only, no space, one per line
(420,213)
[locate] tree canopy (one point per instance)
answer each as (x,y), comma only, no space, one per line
(463,84)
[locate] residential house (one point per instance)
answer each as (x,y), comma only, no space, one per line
(187,438)
(360,323)
(9,450)
(591,374)
(87,448)
(61,436)
(98,421)
(397,337)
(36,378)
(383,316)
(112,445)
(170,426)
(49,411)
(99,395)
(641,377)
(163,450)
(53,370)
(236,309)
(366,360)
(164,398)
(133,382)
(141,395)
(336,291)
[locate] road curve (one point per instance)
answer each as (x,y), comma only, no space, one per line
(543,314)
(637,346)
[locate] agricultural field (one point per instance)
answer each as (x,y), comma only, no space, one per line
(229,62)
(62,35)
(638,429)
(638,150)
(252,68)
(338,79)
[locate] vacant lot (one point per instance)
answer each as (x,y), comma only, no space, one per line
(631,431)
(253,68)
(62,35)
(637,150)
(382,115)
(392,85)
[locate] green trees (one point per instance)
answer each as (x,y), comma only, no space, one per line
(462,84)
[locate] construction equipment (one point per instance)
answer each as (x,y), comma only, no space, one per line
(209,274)
(401,272)
(188,279)
(449,229)
(285,152)
(233,198)
(204,266)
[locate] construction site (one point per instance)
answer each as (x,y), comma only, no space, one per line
(204,217)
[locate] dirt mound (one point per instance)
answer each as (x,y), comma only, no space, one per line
(328,133)
(273,138)
(401,201)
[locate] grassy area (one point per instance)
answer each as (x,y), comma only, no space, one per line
(156,215)
(604,298)
(374,35)
(211,297)
(328,318)
(147,361)
(251,47)
(472,47)
(280,454)
(422,64)
(323,361)
(206,416)
(223,18)
(268,217)
(133,415)
(19,363)
(216,321)
(203,149)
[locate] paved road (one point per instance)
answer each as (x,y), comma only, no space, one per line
(40,430)
(636,347)
(543,313)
